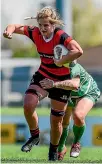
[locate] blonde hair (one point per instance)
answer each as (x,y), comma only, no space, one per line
(51,14)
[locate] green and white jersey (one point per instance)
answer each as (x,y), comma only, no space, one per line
(87,83)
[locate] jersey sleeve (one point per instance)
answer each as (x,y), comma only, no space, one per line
(75,71)
(65,39)
(29,32)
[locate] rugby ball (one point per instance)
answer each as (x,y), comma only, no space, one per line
(59,52)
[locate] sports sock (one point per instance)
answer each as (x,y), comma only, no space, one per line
(35,133)
(63,139)
(53,148)
(78,132)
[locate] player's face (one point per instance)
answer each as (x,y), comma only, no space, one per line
(46,28)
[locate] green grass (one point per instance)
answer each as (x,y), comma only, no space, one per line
(19,111)
(12,154)
(43,111)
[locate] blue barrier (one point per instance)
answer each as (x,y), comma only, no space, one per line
(90,138)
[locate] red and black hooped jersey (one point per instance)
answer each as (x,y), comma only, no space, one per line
(45,50)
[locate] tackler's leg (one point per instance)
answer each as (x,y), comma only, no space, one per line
(83,106)
(62,149)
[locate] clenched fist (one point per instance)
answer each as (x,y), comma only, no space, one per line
(7,35)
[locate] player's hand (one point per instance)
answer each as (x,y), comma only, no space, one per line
(57,62)
(47,83)
(7,35)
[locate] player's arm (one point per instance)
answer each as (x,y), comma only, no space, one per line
(72,84)
(74,52)
(13,28)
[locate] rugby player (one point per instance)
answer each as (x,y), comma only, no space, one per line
(46,36)
(85,93)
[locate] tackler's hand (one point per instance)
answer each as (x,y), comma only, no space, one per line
(47,83)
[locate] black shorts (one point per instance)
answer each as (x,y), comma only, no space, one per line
(54,93)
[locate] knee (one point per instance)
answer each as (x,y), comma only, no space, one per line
(78,117)
(30,102)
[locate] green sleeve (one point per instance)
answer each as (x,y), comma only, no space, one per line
(75,71)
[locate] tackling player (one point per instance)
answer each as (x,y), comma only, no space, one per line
(84,95)
(46,36)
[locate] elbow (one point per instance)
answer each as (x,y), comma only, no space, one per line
(76,84)
(80,52)
(76,87)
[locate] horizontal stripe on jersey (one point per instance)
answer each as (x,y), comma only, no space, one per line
(57,70)
(53,75)
(51,65)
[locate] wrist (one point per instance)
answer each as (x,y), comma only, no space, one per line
(55,84)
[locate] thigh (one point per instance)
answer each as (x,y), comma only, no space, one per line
(68,112)
(35,87)
(57,105)
(83,106)
(40,92)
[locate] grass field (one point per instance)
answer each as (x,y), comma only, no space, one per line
(12,154)
(43,111)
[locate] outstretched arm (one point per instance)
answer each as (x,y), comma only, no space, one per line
(72,84)
(13,28)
